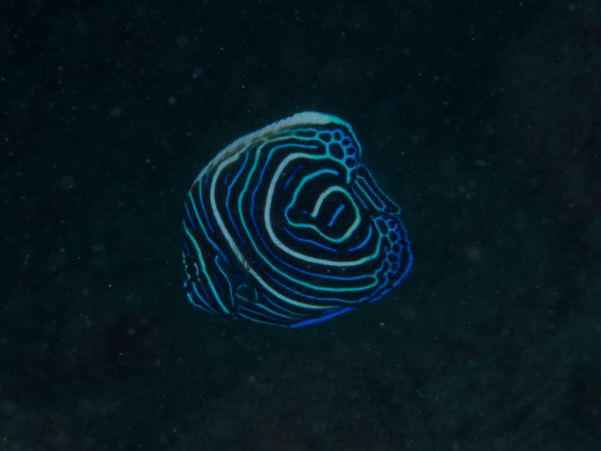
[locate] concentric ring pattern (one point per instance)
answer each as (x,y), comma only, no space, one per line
(285,227)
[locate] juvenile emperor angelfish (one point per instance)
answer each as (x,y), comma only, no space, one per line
(285,227)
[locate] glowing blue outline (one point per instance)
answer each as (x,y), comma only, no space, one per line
(323,318)
(293,174)
(365,241)
(340,209)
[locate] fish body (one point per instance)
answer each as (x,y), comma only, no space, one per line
(286,227)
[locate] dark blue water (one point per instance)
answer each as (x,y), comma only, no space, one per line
(481,119)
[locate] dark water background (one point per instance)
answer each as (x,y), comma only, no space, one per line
(480,118)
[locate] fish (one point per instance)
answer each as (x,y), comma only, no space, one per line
(286,227)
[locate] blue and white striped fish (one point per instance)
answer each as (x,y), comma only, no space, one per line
(285,227)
